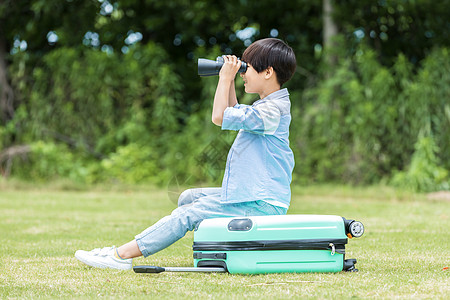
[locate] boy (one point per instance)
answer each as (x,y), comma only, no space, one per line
(259,165)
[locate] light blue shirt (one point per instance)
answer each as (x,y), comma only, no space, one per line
(260,162)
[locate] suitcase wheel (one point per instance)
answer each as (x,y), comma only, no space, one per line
(349,265)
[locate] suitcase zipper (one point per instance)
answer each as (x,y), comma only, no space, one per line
(335,245)
(333,248)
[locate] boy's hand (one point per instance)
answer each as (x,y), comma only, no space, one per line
(225,95)
(230,67)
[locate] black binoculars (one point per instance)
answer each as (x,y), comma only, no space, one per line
(207,67)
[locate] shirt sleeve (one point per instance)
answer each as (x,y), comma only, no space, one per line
(262,118)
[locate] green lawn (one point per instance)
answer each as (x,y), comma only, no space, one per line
(404,253)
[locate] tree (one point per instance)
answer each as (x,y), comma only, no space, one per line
(392,27)
(26,26)
(117,78)
(330,30)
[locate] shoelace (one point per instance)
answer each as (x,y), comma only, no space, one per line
(102,251)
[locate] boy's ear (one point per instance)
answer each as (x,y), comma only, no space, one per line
(269,72)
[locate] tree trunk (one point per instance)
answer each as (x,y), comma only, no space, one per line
(330,30)
(6,91)
(7,156)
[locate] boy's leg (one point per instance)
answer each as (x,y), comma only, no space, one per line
(131,249)
(173,227)
(120,258)
(191,195)
(196,205)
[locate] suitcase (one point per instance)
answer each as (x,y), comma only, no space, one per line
(275,244)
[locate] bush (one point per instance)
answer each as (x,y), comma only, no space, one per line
(123,117)
(361,124)
(49,161)
(129,164)
(425,173)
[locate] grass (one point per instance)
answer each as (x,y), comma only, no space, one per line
(403,254)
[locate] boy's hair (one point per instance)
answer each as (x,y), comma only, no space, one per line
(274,53)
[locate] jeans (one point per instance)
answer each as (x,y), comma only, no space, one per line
(195,205)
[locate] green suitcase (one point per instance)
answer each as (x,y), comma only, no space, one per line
(275,244)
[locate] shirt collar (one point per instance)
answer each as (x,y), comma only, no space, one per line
(277,94)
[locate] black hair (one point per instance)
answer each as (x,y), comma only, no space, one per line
(271,52)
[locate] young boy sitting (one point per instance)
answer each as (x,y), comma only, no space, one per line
(259,165)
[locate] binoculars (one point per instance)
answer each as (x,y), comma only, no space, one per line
(207,67)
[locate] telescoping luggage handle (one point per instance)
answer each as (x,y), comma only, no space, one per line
(349,266)
(206,267)
(155,269)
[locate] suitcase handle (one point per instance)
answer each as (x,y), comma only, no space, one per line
(201,255)
(155,269)
(148,269)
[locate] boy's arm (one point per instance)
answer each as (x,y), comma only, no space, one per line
(224,97)
(232,99)
(263,118)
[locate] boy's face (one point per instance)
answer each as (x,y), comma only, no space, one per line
(253,81)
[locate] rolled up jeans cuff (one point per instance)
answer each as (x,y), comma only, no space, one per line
(141,246)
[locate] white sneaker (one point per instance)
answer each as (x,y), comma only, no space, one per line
(103,258)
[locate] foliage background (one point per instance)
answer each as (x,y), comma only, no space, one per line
(107,91)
